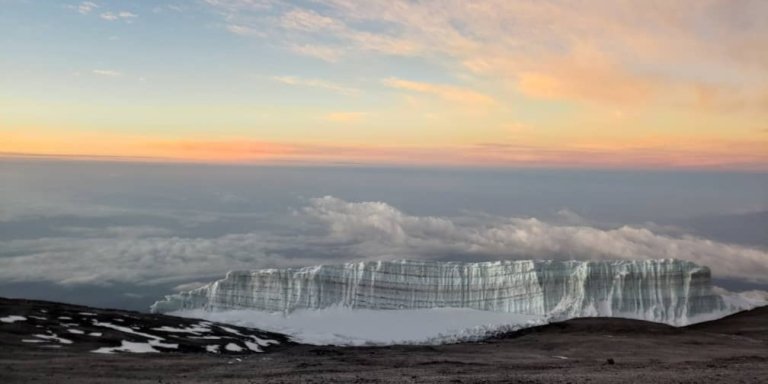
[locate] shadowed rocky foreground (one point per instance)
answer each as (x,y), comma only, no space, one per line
(592,350)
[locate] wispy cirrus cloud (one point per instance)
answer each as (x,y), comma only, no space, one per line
(632,53)
(86,7)
(315,83)
(122,15)
(450,93)
(107,72)
(327,53)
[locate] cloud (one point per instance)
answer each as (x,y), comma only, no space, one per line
(107,72)
(109,16)
(244,31)
(345,117)
(631,52)
(332,230)
(306,20)
(378,230)
(322,52)
(86,7)
(315,83)
(127,15)
(122,15)
(454,94)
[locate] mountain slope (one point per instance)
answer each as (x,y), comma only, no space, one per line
(73,328)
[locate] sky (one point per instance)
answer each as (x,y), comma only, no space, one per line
(497,83)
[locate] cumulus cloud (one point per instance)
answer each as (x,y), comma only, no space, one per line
(332,230)
(378,230)
(148,260)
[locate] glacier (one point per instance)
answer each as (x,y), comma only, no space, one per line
(669,291)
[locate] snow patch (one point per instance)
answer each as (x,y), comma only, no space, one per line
(126,330)
(75,331)
(12,319)
(195,329)
(253,346)
(232,347)
(128,346)
(212,348)
(53,337)
(230,330)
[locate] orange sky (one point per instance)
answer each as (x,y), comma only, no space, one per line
(635,84)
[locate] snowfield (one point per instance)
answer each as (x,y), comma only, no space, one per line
(341,326)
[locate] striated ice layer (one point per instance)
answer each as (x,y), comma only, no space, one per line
(669,291)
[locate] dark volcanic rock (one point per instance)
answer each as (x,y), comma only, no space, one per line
(73,328)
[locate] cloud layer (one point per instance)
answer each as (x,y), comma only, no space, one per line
(332,230)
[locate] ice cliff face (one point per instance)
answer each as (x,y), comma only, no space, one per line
(669,291)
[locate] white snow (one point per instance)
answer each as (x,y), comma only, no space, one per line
(53,337)
(125,330)
(341,326)
(153,340)
(38,317)
(253,346)
(232,347)
(163,345)
(212,348)
(65,318)
(32,341)
(75,331)
(128,346)
(86,314)
(264,342)
(12,319)
(95,334)
(230,330)
(196,329)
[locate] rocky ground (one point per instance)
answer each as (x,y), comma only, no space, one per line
(594,350)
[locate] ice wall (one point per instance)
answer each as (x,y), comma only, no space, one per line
(669,291)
